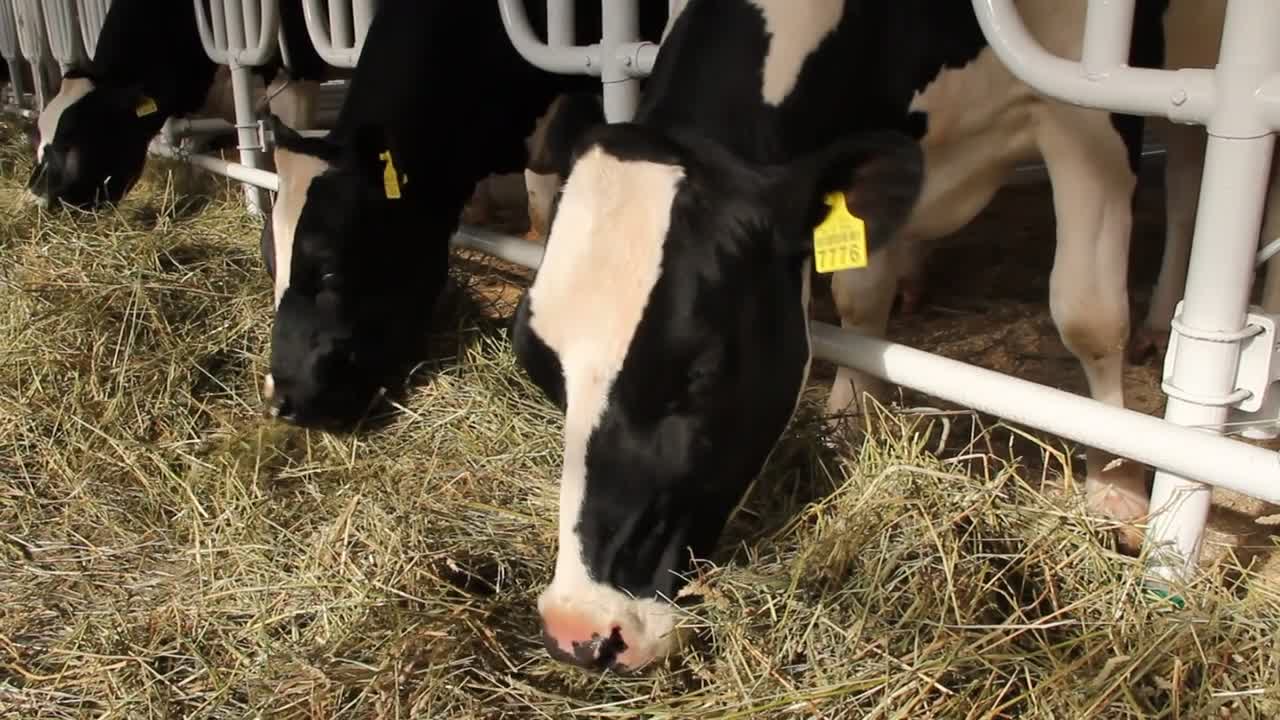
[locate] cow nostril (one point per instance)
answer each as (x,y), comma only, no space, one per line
(611,648)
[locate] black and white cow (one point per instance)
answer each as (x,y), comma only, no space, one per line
(357,270)
(90,142)
(668,317)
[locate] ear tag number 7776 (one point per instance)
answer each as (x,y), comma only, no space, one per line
(840,242)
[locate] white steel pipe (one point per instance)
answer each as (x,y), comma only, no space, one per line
(238,32)
(34,42)
(93,13)
(619,57)
(560,22)
(1228,463)
(62,23)
(565,60)
(338,34)
(1107,29)
(263,179)
(504,247)
(621,26)
(1186,95)
(1202,366)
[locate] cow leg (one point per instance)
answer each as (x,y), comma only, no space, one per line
(1088,298)
(960,180)
(863,298)
(1184,163)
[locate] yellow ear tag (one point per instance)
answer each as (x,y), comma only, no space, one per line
(390,177)
(146,106)
(840,242)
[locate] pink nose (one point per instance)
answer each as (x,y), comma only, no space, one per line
(573,638)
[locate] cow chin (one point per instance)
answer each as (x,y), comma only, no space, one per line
(592,625)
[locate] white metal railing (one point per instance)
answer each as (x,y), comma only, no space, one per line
(11,50)
(62,24)
(338,34)
(34,42)
(241,34)
(620,59)
(92,14)
(1237,102)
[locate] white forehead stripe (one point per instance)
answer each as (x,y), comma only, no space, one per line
(603,259)
(69,93)
(296,171)
(796,28)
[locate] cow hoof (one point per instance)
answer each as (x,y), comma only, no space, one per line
(1125,508)
(1145,344)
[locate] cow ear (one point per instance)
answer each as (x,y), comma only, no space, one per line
(877,175)
(281,134)
(378,159)
(570,117)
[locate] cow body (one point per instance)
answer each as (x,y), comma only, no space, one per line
(745,92)
(445,131)
(149,65)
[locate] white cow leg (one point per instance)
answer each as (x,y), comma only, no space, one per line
(863,298)
(1092,191)
(1184,164)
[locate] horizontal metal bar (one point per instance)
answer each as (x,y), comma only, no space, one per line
(504,247)
(236,171)
(1197,454)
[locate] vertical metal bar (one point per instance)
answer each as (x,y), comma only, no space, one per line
(340,23)
(1204,360)
(621,26)
(1107,30)
(560,22)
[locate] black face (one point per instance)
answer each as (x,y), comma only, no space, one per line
(665,434)
(94,145)
(361,281)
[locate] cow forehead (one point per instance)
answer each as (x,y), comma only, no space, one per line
(71,91)
(602,261)
(296,171)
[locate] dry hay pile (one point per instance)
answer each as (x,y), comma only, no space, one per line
(169,552)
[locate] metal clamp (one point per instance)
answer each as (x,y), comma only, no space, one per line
(1258,369)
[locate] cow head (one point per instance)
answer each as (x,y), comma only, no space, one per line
(91,142)
(668,322)
(352,275)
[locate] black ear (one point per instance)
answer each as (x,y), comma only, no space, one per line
(879,173)
(570,117)
(283,135)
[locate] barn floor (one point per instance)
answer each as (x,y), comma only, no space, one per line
(168,551)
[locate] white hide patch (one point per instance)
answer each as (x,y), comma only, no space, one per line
(603,259)
(296,171)
(795,28)
(72,90)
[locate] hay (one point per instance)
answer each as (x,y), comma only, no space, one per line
(169,552)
